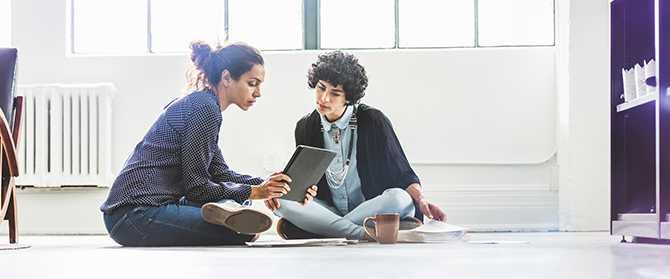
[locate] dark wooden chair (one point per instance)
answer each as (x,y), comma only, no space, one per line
(11,118)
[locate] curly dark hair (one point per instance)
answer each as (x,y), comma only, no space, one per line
(338,68)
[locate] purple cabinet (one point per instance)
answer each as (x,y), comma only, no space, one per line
(640,119)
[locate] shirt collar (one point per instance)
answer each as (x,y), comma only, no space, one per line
(341,123)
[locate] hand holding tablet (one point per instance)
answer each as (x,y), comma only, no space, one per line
(305,168)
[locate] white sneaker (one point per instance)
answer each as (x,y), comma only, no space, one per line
(234,216)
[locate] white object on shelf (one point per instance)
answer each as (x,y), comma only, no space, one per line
(640,81)
(628,84)
(650,72)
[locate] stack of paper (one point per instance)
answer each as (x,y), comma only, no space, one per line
(302,242)
(434,231)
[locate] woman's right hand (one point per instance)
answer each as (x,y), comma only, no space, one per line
(275,186)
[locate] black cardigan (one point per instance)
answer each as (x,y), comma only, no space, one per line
(381,161)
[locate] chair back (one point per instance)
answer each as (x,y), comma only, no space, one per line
(8,58)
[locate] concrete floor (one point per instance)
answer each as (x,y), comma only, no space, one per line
(545,255)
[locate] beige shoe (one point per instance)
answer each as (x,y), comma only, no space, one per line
(234,216)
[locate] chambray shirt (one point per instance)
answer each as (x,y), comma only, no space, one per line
(349,195)
(180,157)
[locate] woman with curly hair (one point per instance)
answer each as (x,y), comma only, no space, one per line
(176,188)
(370,173)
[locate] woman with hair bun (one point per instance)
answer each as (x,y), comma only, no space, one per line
(370,173)
(175,188)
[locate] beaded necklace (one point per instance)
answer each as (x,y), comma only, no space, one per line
(336,179)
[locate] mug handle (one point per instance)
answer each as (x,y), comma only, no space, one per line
(374,220)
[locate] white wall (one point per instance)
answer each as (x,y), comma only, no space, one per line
(584,106)
(478,125)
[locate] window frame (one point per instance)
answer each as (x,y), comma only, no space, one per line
(311,39)
(314,16)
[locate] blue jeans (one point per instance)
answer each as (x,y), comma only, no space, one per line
(168,225)
(320,218)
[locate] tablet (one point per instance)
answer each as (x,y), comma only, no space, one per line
(306,167)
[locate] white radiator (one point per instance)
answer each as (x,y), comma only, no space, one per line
(66,138)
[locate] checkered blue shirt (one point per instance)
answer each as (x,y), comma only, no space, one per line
(180,157)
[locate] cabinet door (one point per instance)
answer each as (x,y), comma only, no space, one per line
(633,132)
(663,81)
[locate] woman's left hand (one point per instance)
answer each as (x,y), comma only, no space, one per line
(427,208)
(432,211)
(273,203)
(311,193)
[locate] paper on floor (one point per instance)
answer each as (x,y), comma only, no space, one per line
(301,242)
(434,231)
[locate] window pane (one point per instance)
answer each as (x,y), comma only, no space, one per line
(266,24)
(110,26)
(357,23)
(175,23)
(5,23)
(516,22)
(436,23)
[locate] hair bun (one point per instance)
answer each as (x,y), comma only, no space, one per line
(200,51)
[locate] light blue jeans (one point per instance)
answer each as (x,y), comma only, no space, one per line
(320,218)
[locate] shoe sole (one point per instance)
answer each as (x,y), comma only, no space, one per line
(245,221)
(284,225)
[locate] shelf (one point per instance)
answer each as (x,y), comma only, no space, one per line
(642,225)
(635,228)
(648,217)
(637,102)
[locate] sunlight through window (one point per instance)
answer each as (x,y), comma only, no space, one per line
(357,24)
(111,26)
(174,24)
(516,22)
(436,23)
(5,23)
(266,24)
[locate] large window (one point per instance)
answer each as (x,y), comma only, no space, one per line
(135,26)
(436,23)
(175,23)
(266,24)
(516,22)
(140,26)
(110,26)
(357,24)
(5,23)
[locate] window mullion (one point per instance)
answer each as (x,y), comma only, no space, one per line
(476,23)
(149,27)
(310,20)
(397,23)
(225,21)
(72,34)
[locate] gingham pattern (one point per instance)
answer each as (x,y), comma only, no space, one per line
(179,157)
